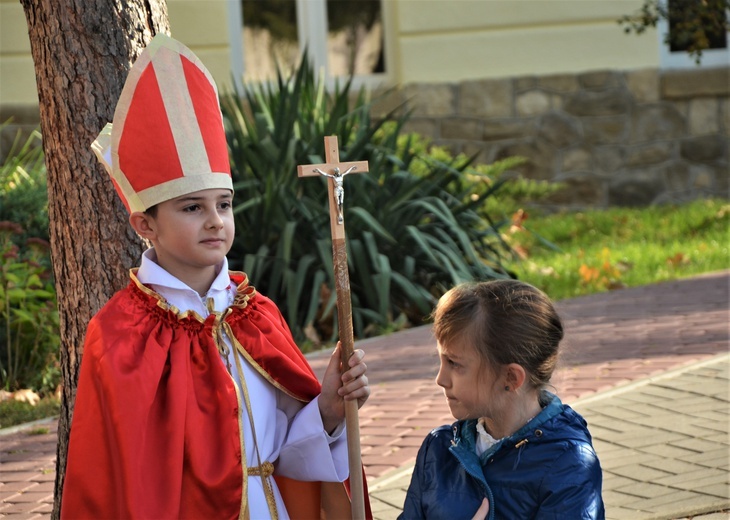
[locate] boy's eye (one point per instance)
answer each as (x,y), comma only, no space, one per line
(226,205)
(190,208)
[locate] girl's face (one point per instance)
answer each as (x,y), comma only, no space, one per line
(470,386)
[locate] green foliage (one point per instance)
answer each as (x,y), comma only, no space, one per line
(624,247)
(14,412)
(513,194)
(23,194)
(695,26)
(28,315)
(29,328)
(414,222)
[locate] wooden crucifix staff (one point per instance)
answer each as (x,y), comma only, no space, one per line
(335,171)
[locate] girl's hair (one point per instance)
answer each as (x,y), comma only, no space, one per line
(507,321)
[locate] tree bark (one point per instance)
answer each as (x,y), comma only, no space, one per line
(82,50)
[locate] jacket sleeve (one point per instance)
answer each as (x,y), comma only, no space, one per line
(572,487)
(412,508)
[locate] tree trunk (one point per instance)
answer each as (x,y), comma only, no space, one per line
(82,50)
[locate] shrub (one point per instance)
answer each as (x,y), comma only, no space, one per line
(16,412)
(29,328)
(28,317)
(415,224)
(23,192)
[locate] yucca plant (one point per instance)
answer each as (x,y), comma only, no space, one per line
(413,222)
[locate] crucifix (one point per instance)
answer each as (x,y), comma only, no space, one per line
(335,172)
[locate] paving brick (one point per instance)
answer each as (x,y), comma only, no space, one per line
(387,459)
(713,415)
(7,496)
(612,481)
(46,475)
(607,447)
(392,497)
(666,451)
(599,432)
(31,497)
(695,479)
(649,438)
(672,465)
(13,508)
(722,426)
(647,409)
(696,406)
(375,471)
(695,444)
(662,502)
(641,473)
(45,487)
(719,490)
(692,505)
(717,458)
(629,457)
(619,412)
(627,513)
(17,476)
(685,425)
(16,487)
(616,498)
(388,514)
(407,442)
(645,490)
(719,438)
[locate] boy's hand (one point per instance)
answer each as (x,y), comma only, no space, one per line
(336,388)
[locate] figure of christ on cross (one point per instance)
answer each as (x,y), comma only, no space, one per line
(336,191)
(339,187)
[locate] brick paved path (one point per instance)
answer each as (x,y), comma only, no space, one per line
(663,442)
(611,339)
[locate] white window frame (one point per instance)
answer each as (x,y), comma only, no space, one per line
(682,59)
(312,31)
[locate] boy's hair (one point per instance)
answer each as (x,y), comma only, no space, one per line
(152,211)
(507,321)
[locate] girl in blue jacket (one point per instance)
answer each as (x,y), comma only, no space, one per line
(515,451)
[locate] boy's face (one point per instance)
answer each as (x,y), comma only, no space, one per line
(193,233)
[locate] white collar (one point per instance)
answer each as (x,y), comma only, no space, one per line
(150,272)
(484,439)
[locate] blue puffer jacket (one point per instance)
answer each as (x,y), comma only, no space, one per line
(546,470)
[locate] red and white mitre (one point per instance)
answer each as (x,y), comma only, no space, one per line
(167,137)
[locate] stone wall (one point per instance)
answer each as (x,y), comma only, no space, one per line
(613,138)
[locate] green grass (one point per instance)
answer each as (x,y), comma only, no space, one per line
(15,412)
(623,247)
(598,251)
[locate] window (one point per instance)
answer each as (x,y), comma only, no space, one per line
(675,56)
(342,37)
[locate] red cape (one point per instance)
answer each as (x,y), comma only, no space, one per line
(155,430)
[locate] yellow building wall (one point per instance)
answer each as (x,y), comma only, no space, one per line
(202,25)
(17,76)
(199,24)
(454,40)
(429,40)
